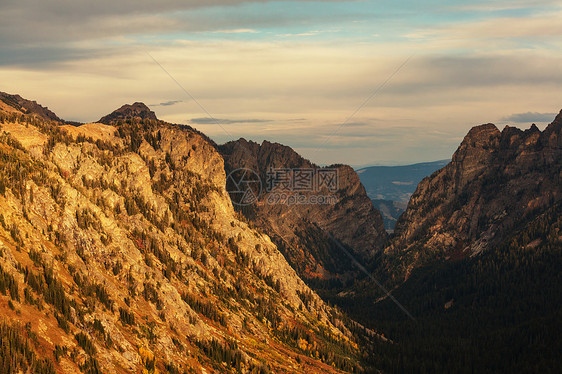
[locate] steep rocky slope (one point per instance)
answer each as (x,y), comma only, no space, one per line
(120,251)
(496,181)
(303,231)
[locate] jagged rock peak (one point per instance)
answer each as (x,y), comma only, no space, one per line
(304,232)
(533,129)
(137,109)
(262,156)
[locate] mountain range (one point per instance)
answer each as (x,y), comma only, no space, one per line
(136,245)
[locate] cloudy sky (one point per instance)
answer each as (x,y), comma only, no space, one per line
(358,82)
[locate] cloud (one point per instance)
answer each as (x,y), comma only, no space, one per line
(355,124)
(236,31)
(32,23)
(223,121)
(530,117)
(168,103)
(399,183)
(503,5)
(439,74)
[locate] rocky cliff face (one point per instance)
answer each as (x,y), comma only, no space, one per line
(303,231)
(120,251)
(496,181)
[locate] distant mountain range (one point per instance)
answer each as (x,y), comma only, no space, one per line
(390,187)
(396,183)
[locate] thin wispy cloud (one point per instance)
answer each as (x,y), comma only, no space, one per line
(224,121)
(504,5)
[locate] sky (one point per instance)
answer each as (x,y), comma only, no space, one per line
(355,82)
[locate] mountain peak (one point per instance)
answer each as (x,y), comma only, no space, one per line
(496,179)
(482,133)
(533,129)
(136,109)
(168,255)
(479,140)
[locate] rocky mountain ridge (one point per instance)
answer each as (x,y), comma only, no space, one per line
(476,259)
(121,250)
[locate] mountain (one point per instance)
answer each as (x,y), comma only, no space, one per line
(495,182)
(136,245)
(120,251)
(303,230)
(499,311)
(396,183)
